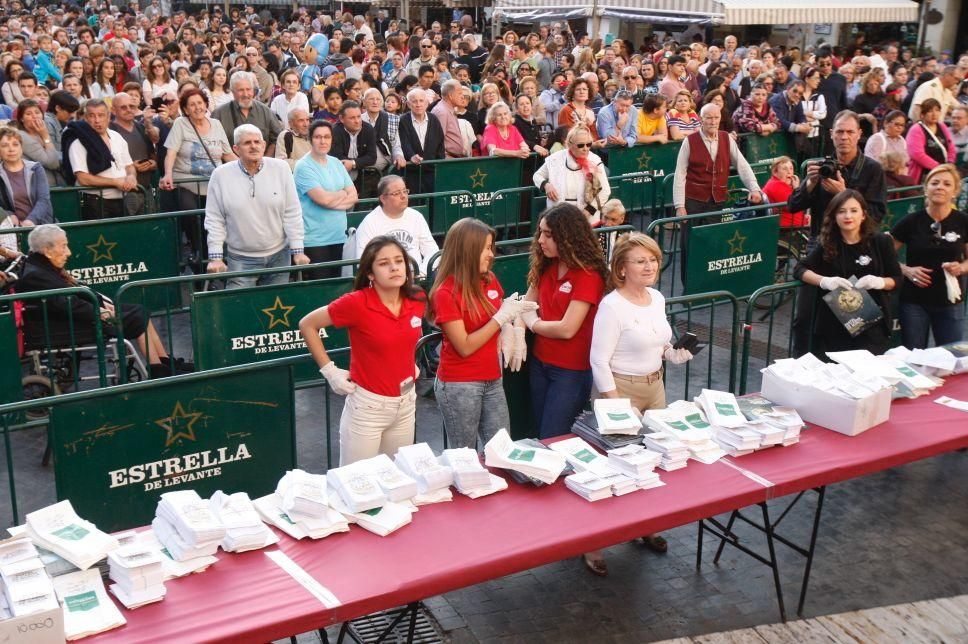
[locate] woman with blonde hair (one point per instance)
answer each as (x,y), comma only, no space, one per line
(682,119)
(936,244)
(467,303)
(575,175)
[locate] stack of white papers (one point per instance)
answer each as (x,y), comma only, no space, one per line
(589,486)
(58,529)
(721,408)
(186,525)
(616,416)
(356,488)
(738,441)
(674,451)
(470,477)
(303,493)
(389,517)
(396,485)
(244,530)
(138,573)
(865,365)
(172,568)
(330,521)
(934,361)
(634,460)
(583,457)
(542,464)
(87,608)
(418,461)
(684,420)
(27,588)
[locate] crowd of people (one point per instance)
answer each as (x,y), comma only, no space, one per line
(277,125)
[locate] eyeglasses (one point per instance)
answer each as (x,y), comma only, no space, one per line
(157,66)
(826,64)
(630,77)
(582,146)
(397,193)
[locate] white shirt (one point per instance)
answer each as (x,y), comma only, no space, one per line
(420,127)
(410,229)
(281,105)
(628,339)
(117,170)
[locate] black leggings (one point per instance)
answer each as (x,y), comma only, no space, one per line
(317,254)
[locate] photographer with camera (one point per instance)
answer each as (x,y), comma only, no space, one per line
(825,179)
(848,168)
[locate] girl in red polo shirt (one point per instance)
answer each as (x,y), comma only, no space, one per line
(567,279)
(383,314)
(469,307)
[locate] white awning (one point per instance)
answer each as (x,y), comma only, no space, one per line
(777,12)
(716,12)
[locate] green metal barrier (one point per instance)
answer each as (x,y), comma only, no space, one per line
(656,159)
(700,314)
(260,323)
(772,296)
(141,291)
(479,176)
(514,211)
(11,388)
(898,209)
(66,201)
(764,149)
(125,447)
(637,191)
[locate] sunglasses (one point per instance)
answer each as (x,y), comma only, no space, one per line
(936,229)
(582,146)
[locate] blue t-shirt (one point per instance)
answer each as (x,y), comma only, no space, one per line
(323,226)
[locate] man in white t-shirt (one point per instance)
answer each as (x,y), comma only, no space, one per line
(393,217)
(118,174)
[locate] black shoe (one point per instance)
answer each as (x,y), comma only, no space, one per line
(159,371)
(180,365)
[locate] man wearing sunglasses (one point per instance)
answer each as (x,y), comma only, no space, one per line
(788,107)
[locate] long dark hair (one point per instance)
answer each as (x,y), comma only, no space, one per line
(830,231)
(367,259)
(578,246)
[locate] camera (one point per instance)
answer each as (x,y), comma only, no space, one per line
(829,168)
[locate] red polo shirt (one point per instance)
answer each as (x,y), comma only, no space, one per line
(554,296)
(483,364)
(382,344)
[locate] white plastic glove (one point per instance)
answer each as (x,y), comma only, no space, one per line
(833,283)
(506,344)
(529,318)
(520,354)
(676,356)
(338,379)
(511,307)
(871,282)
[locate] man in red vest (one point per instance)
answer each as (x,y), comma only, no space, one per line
(702,171)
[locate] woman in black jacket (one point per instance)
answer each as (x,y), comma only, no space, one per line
(54,318)
(850,246)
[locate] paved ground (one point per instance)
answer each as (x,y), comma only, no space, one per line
(894,537)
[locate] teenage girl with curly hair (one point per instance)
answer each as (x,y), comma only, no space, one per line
(567,279)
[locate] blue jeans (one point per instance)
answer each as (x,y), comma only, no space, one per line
(946,323)
(472,409)
(557,396)
(244,263)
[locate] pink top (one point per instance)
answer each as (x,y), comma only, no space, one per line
(493,137)
(920,162)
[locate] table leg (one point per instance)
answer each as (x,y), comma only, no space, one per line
(729,532)
(774,566)
(810,549)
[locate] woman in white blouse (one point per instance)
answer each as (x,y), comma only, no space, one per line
(575,175)
(632,336)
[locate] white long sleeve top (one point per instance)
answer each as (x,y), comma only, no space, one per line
(627,338)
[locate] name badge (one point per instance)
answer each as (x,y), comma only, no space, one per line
(565,288)
(415,322)
(492,294)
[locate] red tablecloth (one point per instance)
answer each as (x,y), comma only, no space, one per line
(247,597)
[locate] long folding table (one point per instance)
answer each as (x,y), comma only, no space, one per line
(249,598)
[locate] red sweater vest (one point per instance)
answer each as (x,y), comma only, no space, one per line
(705,177)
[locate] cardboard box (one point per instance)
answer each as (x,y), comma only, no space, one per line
(39,628)
(844,415)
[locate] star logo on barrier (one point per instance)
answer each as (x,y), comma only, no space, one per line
(773,146)
(278,313)
(736,244)
(102,249)
(180,424)
(645,160)
(477,179)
